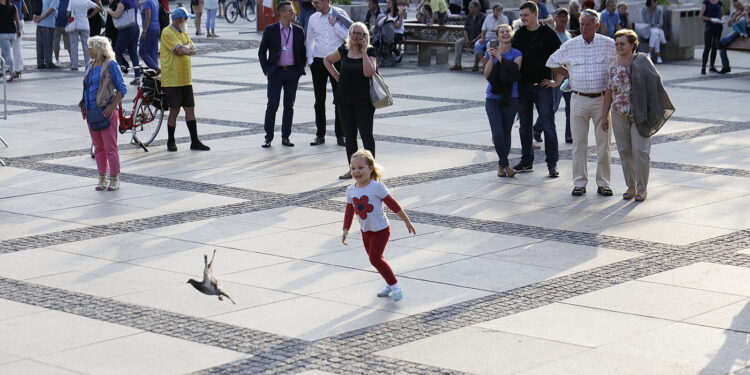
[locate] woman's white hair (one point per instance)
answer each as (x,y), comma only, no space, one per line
(101,48)
(364,30)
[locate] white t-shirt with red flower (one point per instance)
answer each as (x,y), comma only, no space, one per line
(368,205)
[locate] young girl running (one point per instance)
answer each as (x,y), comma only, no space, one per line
(365,198)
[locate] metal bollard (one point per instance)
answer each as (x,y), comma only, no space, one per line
(5,103)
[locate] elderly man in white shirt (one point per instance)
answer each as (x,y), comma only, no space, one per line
(327,30)
(585,60)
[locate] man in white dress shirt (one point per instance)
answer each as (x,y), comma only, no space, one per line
(326,32)
(585,60)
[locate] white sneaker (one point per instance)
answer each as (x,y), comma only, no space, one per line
(114,183)
(659,60)
(102,185)
(385,291)
(397,294)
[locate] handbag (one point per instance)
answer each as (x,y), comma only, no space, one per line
(380,95)
(642,29)
(71,26)
(127,19)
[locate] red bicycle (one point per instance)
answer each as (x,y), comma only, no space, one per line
(147,114)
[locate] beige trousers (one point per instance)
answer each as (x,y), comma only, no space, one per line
(634,149)
(583,111)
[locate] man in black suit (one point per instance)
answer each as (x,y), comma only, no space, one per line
(282,57)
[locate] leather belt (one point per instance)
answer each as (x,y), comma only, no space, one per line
(595,95)
(287,67)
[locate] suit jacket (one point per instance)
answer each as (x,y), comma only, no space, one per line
(270,48)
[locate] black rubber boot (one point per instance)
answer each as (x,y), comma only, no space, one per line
(195,143)
(171,145)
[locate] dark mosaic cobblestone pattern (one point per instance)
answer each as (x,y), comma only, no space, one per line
(162,322)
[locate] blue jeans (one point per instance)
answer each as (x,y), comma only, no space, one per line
(529,96)
(286,79)
(304,16)
(501,122)
(6,43)
(727,40)
(44,37)
(127,40)
(211,19)
(559,94)
(149,48)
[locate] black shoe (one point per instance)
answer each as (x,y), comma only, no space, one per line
(198,146)
(553,172)
(725,70)
(318,141)
(578,191)
(538,137)
(266,144)
(703,71)
(286,142)
(341,141)
(124,69)
(568,140)
(713,70)
(171,146)
(605,191)
(41,66)
(521,167)
(51,66)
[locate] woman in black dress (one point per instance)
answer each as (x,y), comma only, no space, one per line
(352,97)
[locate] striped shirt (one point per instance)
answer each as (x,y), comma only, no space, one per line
(587,63)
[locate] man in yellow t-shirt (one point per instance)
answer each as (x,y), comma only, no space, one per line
(176,79)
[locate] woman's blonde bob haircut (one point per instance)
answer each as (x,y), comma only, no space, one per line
(363,27)
(366,155)
(101,48)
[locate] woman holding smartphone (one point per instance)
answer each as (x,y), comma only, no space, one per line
(502,65)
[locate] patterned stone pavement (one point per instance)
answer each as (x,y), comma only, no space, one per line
(505,276)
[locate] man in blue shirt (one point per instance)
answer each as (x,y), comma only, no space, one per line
(610,19)
(61,20)
(148,48)
(45,30)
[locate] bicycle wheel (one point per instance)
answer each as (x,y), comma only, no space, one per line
(250,15)
(231,12)
(148,118)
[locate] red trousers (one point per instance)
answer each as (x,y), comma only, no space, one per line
(106,151)
(375,246)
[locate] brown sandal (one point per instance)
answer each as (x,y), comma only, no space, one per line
(640,196)
(629,194)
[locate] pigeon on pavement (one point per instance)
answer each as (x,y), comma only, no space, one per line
(209,285)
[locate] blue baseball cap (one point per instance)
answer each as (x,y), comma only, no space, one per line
(179,13)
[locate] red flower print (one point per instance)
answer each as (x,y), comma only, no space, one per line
(362,206)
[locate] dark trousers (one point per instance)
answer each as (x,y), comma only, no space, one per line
(286,79)
(148,49)
(320,78)
(127,40)
(559,94)
(501,118)
(44,45)
(711,37)
(357,118)
(543,99)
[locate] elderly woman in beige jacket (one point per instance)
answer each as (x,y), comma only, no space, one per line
(640,107)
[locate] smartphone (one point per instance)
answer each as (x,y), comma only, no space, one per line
(494,43)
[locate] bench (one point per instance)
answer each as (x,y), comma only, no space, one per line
(740,44)
(431,39)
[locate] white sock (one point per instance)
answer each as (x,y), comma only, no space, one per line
(395,286)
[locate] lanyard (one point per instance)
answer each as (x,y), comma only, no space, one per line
(288,35)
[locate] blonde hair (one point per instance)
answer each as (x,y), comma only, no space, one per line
(377,171)
(497,30)
(366,32)
(101,48)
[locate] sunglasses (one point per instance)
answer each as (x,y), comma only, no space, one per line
(358,33)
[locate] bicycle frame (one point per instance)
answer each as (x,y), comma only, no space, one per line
(128,123)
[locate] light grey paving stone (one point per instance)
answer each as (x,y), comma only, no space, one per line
(659,229)
(482,351)
(321,318)
(31,367)
(292,244)
(290,217)
(11,309)
(563,256)
(401,258)
(655,300)
(41,202)
(181,297)
(190,262)
(70,330)
(143,353)
(486,274)
(127,246)
(707,276)
(466,242)
(19,225)
(302,277)
(213,231)
(7,358)
(419,296)
(574,324)
(735,317)
(33,263)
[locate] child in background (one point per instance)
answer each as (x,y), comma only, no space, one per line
(366,198)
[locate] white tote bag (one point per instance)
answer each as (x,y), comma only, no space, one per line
(379,92)
(127,19)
